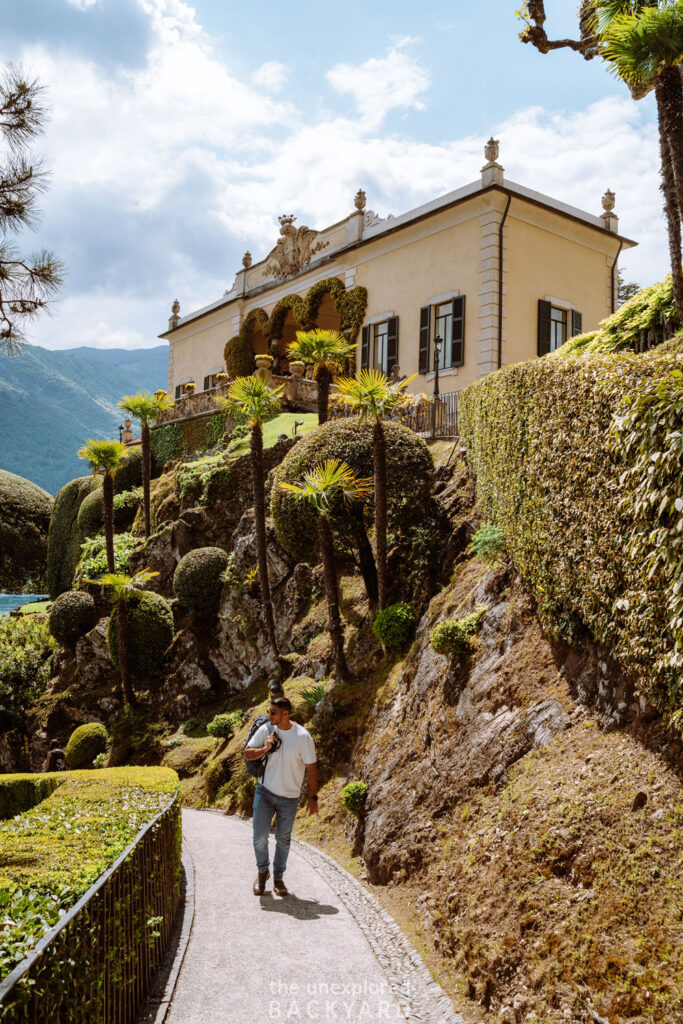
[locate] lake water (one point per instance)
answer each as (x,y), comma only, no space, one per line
(8,602)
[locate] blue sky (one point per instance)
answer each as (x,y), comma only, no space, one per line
(180,132)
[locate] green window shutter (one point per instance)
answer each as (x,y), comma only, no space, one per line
(543,327)
(392,343)
(365,349)
(577,323)
(458,343)
(425,320)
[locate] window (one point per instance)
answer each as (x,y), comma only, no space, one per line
(558,327)
(555,325)
(446,320)
(379,346)
(443,328)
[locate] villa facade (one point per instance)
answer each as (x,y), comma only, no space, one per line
(499,273)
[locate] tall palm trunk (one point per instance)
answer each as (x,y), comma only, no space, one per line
(108,517)
(366,559)
(324,379)
(260,525)
(379,458)
(332,594)
(122,642)
(671,204)
(146,475)
(670,109)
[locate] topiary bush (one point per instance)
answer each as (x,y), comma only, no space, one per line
(454,636)
(71,616)
(353,797)
(198,579)
(239,355)
(65,536)
(25,512)
(394,626)
(129,475)
(91,514)
(223,726)
(85,743)
(409,477)
(150,625)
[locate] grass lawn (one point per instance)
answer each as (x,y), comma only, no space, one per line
(34,608)
(282,424)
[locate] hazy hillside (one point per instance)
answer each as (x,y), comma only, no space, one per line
(50,402)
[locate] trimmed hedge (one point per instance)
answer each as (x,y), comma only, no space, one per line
(129,474)
(150,624)
(85,743)
(91,512)
(65,536)
(19,793)
(25,512)
(577,487)
(53,853)
(71,616)
(409,474)
(198,579)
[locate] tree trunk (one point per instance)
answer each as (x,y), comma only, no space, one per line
(108,516)
(332,594)
(379,458)
(260,525)
(122,641)
(324,379)
(146,474)
(671,205)
(670,109)
(366,559)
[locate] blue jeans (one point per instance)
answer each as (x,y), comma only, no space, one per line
(267,804)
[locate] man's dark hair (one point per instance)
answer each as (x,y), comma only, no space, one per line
(54,744)
(283,703)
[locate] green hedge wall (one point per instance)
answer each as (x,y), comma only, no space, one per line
(561,448)
(198,435)
(25,511)
(19,793)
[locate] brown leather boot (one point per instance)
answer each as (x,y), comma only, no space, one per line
(280,888)
(260,883)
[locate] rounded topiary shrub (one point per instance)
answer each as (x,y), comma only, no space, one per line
(409,475)
(85,743)
(150,631)
(126,506)
(65,536)
(353,797)
(198,579)
(394,626)
(25,512)
(71,616)
(239,356)
(129,474)
(91,514)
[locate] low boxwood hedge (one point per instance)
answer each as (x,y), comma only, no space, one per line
(20,792)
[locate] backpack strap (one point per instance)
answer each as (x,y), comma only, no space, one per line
(264,760)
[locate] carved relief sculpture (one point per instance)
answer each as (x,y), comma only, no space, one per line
(294,249)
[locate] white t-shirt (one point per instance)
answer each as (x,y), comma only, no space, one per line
(285,768)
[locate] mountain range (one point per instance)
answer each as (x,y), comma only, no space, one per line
(51,402)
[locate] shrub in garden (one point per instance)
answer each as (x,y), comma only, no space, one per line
(353,797)
(239,355)
(91,514)
(488,542)
(454,636)
(100,760)
(126,505)
(198,579)
(394,626)
(65,536)
(129,474)
(24,524)
(71,616)
(26,650)
(223,726)
(93,560)
(150,625)
(85,743)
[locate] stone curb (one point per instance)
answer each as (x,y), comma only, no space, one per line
(421,999)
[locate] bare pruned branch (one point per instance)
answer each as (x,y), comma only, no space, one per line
(534,16)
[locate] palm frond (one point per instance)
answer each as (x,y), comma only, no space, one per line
(145,406)
(122,586)
(104,456)
(371,392)
(330,480)
(321,348)
(638,47)
(254,399)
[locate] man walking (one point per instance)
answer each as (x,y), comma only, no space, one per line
(291,753)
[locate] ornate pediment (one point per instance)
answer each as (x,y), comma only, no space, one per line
(294,249)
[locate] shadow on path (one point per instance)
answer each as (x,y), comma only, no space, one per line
(303,910)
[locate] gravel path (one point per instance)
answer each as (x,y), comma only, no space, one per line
(326,954)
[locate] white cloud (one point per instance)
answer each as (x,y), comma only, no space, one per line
(271,76)
(82,4)
(382,84)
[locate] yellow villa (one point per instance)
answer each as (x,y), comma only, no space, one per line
(490,274)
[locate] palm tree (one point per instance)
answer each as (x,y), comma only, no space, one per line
(326,352)
(258,403)
(329,481)
(146,408)
(122,588)
(105,457)
(374,396)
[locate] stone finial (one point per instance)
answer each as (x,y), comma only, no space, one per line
(491,149)
(609,217)
(608,201)
(127,434)
(246,260)
(174,318)
(359,200)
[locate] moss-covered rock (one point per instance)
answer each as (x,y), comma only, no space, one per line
(65,536)
(85,743)
(71,616)
(150,624)
(198,579)
(25,511)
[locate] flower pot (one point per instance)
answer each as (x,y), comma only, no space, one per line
(297,367)
(263,362)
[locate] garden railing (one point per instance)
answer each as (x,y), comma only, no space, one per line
(96,964)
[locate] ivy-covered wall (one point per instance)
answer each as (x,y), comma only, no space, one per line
(579,461)
(185,438)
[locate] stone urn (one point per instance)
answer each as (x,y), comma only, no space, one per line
(263,361)
(297,367)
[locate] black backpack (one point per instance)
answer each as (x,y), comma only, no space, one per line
(257,769)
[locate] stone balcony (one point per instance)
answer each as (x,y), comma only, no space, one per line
(300,395)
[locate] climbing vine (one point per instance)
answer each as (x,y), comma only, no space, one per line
(239,351)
